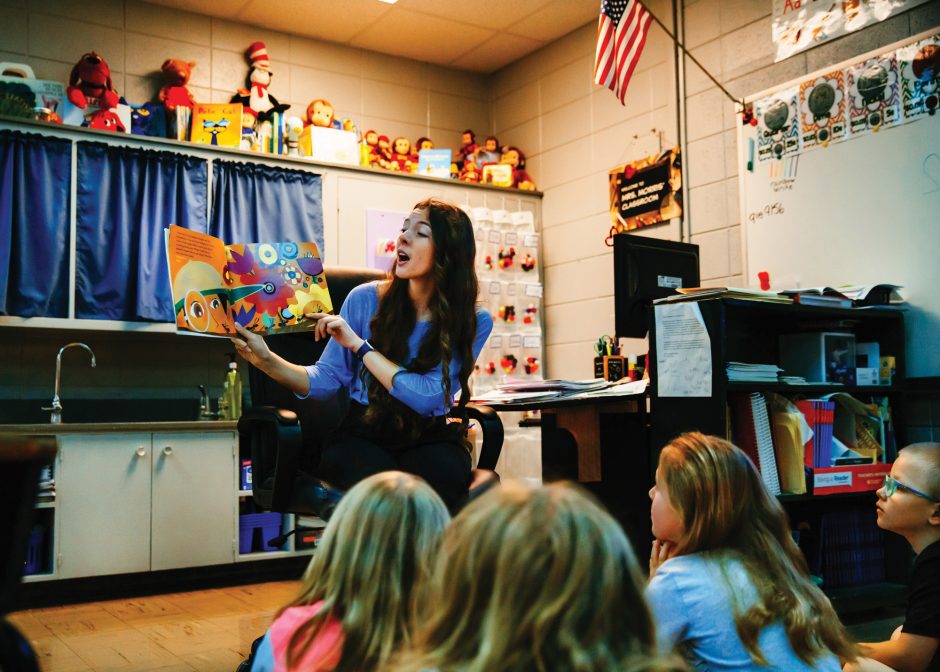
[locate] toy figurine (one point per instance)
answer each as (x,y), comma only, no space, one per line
(468,149)
(293,127)
(402,156)
(470,172)
(508,363)
(520,178)
(488,262)
(507,313)
(383,154)
(528,263)
(255,99)
(91,78)
(369,148)
(423,143)
(176,76)
(490,368)
(320,113)
(489,153)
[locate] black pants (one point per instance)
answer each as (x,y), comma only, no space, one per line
(439,457)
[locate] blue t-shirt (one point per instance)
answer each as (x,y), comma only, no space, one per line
(339,367)
(693,601)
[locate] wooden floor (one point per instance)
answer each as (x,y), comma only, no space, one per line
(202,630)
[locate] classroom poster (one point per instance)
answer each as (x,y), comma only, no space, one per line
(822,110)
(778,125)
(873,92)
(919,67)
(382,231)
(646,191)
(802,24)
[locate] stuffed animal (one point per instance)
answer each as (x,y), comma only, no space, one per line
(255,99)
(176,76)
(402,156)
(468,149)
(91,78)
(514,157)
(106,120)
(148,119)
(293,127)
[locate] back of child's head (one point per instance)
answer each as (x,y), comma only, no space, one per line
(534,579)
(371,566)
(927,455)
(727,512)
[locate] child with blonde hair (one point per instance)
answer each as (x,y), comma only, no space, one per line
(361,591)
(729,588)
(535,579)
(909,505)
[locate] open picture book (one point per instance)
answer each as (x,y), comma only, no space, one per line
(265,287)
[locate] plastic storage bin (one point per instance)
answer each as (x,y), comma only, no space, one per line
(268,526)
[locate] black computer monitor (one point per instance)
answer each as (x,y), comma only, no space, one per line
(647,269)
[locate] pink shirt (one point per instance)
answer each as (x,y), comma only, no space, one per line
(324,652)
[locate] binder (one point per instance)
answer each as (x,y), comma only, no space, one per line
(787,422)
(755,436)
(819,414)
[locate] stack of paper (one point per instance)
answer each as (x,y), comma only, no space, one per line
(752,373)
(696,293)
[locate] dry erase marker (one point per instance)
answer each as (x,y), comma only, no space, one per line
(750,155)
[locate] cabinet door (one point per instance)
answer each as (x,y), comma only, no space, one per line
(103,504)
(193,519)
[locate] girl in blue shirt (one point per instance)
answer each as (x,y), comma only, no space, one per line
(402,348)
(728,586)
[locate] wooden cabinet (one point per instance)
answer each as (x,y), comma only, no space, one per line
(137,502)
(749,331)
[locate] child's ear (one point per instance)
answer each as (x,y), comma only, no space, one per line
(935,516)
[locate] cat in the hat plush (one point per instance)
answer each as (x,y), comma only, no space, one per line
(91,78)
(256,99)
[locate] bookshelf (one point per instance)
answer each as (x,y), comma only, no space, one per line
(748,331)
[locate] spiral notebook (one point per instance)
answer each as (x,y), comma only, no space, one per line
(755,436)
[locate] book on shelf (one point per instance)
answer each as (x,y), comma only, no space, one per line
(791,432)
(822,300)
(752,373)
(873,295)
(755,435)
(819,414)
(723,292)
(217,124)
(434,162)
(265,287)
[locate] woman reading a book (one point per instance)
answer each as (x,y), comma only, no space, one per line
(402,348)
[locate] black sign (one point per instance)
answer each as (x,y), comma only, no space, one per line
(645,191)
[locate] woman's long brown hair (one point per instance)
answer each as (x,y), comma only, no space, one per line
(728,513)
(453,320)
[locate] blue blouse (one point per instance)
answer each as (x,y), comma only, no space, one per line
(339,368)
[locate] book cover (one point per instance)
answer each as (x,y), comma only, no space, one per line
(217,124)
(497,174)
(265,287)
(434,162)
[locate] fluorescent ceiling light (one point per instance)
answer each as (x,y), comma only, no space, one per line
(389,2)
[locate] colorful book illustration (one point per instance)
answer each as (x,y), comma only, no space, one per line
(434,162)
(265,287)
(218,124)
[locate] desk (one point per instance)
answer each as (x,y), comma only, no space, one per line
(603,444)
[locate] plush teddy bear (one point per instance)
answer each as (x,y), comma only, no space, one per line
(176,76)
(91,78)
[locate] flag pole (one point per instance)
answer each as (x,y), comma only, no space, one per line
(693,59)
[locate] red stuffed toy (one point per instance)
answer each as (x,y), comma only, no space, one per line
(91,78)
(176,76)
(106,120)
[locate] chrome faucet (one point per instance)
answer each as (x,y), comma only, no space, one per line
(205,412)
(56,407)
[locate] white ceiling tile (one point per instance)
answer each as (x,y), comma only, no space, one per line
(440,40)
(492,54)
(556,19)
(495,14)
(323,19)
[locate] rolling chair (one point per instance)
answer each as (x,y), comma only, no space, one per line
(284,434)
(20,461)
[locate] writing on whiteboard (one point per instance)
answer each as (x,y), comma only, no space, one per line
(782,185)
(767,211)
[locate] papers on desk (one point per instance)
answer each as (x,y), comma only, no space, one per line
(752,373)
(515,392)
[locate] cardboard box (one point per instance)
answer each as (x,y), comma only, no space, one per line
(849,478)
(330,145)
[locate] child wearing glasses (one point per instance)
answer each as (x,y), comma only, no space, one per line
(729,589)
(909,505)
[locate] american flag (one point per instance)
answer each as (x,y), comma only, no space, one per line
(621,34)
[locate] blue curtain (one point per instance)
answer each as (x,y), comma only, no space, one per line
(34,225)
(253,203)
(126,197)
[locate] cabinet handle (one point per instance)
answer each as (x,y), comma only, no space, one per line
(141,451)
(168,450)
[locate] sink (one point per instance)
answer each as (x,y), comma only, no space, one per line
(29,411)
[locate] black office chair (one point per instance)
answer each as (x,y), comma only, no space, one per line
(284,434)
(21,458)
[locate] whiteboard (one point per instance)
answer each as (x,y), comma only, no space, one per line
(862,211)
